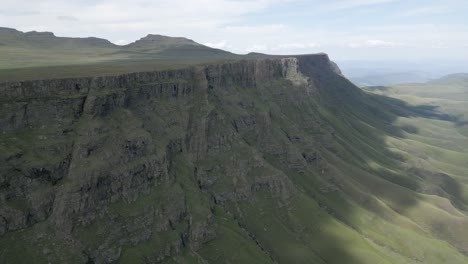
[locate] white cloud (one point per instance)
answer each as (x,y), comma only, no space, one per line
(427,10)
(122,42)
(109,18)
(373,43)
(264,29)
(217,45)
(257,48)
(283,48)
(439,45)
(348,4)
(297,45)
(67,18)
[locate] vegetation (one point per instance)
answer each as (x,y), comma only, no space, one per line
(243,168)
(41,55)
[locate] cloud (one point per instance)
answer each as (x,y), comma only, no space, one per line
(349,4)
(257,48)
(270,28)
(67,18)
(16,13)
(427,10)
(439,45)
(374,43)
(298,45)
(217,45)
(108,12)
(122,42)
(283,48)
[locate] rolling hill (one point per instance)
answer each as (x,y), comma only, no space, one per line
(39,55)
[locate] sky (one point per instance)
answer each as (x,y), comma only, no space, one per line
(345,29)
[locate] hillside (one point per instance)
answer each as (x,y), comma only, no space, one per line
(42,55)
(391,78)
(258,159)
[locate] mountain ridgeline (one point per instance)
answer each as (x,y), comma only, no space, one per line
(42,55)
(47,40)
(265,159)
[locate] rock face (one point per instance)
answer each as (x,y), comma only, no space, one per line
(135,151)
(186,165)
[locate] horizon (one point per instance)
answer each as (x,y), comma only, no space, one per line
(346,30)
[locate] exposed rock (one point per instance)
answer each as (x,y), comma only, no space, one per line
(124,161)
(3,225)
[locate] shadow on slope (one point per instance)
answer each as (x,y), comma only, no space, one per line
(363,125)
(351,188)
(375,118)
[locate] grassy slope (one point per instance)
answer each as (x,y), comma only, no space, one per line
(435,148)
(29,56)
(441,144)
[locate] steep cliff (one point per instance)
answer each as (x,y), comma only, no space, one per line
(249,161)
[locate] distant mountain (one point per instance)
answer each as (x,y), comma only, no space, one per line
(391,78)
(34,54)
(457,78)
(159,42)
(47,40)
(173,47)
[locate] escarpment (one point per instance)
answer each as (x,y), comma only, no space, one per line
(147,153)
(248,161)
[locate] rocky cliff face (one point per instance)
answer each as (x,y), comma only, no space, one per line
(146,153)
(269,160)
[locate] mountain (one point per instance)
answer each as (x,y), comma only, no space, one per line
(391,78)
(152,41)
(448,94)
(453,79)
(39,55)
(47,40)
(255,159)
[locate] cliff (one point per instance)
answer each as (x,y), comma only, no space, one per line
(77,149)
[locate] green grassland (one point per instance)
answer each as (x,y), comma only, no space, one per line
(41,55)
(436,145)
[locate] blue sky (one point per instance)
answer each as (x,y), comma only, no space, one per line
(345,29)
